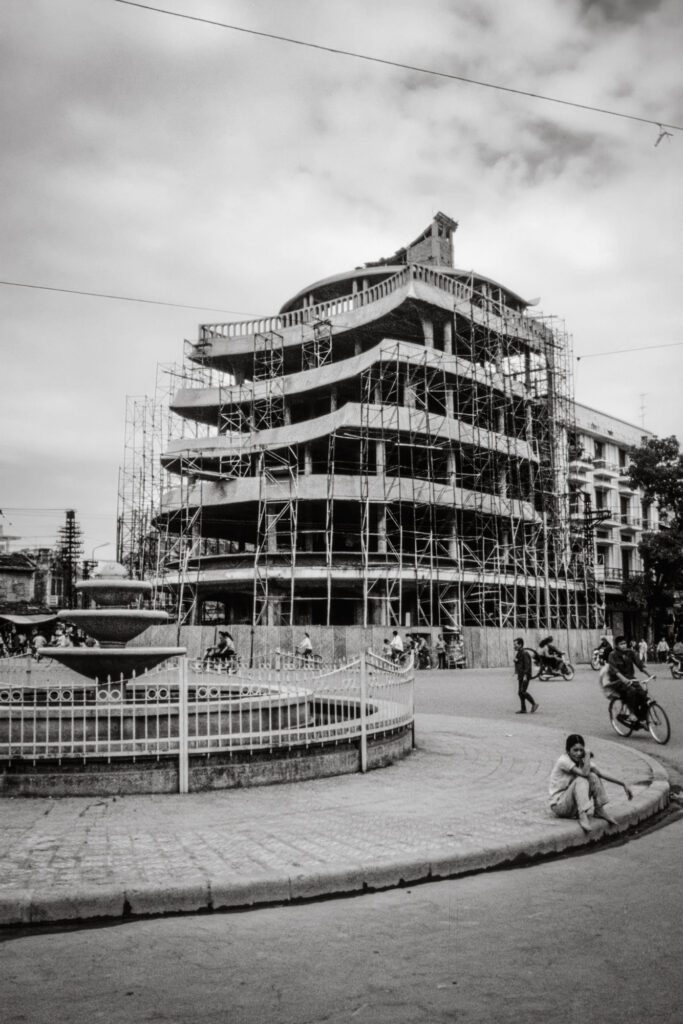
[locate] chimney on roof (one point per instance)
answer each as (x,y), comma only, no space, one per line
(435,244)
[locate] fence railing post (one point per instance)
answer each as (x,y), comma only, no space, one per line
(363,713)
(183,726)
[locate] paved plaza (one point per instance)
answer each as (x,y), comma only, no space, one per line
(473,795)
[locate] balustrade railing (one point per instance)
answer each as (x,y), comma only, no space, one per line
(191,708)
(504,319)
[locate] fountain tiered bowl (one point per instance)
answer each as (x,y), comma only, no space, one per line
(113,622)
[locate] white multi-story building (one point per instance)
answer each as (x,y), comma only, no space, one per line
(603,502)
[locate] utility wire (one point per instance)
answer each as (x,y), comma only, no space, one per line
(397,64)
(123,298)
(619,351)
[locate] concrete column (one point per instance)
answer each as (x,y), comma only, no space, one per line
(453,542)
(448,337)
(450,401)
(503,481)
(379,455)
(333,398)
(271,533)
(382,530)
(308,460)
(288,415)
(427,330)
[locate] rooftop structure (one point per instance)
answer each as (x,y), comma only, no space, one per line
(391,448)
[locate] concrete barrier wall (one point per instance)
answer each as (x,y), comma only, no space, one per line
(484,647)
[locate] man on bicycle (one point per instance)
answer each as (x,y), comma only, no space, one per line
(396,645)
(620,678)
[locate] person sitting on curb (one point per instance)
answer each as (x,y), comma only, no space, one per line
(523,673)
(576,780)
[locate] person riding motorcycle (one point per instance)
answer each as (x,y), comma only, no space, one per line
(549,656)
(605,647)
(620,678)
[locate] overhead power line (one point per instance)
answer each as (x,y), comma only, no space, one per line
(619,351)
(397,64)
(124,298)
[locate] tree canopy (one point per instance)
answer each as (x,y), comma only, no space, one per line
(657,469)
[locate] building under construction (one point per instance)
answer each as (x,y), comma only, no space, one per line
(390,449)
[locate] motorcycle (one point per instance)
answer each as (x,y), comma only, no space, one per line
(543,670)
(598,659)
(675,664)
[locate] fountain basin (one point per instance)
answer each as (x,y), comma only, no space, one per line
(113,626)
(109,592)
(111,662)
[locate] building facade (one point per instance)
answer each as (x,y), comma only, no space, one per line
(605,510)
(390,449)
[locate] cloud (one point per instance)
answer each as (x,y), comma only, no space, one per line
(147,155)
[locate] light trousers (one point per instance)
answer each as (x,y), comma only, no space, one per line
(576,798)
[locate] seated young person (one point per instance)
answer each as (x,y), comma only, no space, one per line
(576,781)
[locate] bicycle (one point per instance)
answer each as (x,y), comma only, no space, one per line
(624,722)
(219,666)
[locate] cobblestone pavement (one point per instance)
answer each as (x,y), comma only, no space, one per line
(472,795)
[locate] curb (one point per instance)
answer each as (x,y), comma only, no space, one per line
(73,903)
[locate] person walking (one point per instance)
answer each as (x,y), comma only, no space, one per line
(642,651)
(440,648)
(523,673)
(662,650)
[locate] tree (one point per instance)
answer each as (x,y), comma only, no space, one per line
(657,469)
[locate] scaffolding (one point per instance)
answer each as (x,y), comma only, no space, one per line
(456,432)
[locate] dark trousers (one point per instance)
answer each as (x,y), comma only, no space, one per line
(524,696)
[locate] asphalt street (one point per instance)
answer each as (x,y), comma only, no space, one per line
(594,937)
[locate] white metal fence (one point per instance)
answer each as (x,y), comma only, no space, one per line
(186,708)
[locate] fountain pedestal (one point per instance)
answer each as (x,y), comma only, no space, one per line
(113,623)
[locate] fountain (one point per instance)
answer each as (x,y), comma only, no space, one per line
(112,623)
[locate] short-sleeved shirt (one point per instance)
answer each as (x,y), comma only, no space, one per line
(562,776)
(396,643)
(624,662)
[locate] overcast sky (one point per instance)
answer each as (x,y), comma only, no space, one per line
(145,155)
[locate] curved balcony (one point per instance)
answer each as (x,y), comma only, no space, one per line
(314,487)
(202,404)
(376,419)
(223,341)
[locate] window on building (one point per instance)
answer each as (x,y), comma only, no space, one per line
(626,563)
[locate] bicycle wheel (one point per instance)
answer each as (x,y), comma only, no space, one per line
(619,715)
(595,662)
(658,723)
(567,670)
